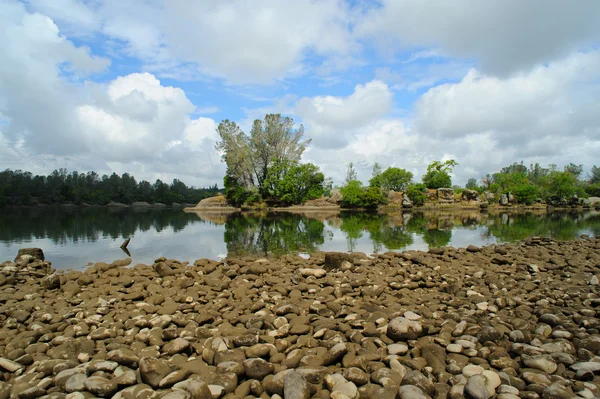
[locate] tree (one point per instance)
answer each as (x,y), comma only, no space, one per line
(351,173)
(514,168)
(351,194)
(594,176)
(471,184)
(438,174)
(560,185)
(392,179)
(272,141)
(301,183)
(573,169)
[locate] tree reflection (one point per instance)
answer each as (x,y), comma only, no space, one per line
(558,225)
(383,230)
(428,228)
(63,226)
(273,234)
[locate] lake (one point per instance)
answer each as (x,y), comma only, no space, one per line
(71,238)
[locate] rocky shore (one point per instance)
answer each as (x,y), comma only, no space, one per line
(503,321)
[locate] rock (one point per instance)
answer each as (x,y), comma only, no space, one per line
(198,389)
(411,392)
(445,195)
(124,356)
(51,282)
(257,368)
(35,253)
(333,260)
(478,388)
(153,370)
(489,333)
(503,200)
(469,195)
(295,386)
(178,345)
(544,363)
(401,328)
(10,365)
(76,383)
(406,202)
(100,386)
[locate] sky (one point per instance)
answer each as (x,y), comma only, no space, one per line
(140,86)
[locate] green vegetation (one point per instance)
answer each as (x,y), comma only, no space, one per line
(272,234)
(527,185)
(265,164)
(417,193)
(392,178)
(438,174)
(23,188)
(355,195)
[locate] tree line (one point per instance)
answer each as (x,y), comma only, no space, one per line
(61,186)
(529,184)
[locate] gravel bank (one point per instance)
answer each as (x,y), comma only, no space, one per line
(505,321)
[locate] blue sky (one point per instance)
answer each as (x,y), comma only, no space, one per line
(140,86)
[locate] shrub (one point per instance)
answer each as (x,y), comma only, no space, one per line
(525,193)
(417,193)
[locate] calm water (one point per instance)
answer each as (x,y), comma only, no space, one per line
(71,238)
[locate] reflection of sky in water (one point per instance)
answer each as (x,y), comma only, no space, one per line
(461,237)
(195,241)
(190,237)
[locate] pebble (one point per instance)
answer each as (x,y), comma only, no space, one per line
(454,323)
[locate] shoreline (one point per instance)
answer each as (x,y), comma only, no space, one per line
(512,320)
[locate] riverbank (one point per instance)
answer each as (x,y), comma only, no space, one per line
(512,320)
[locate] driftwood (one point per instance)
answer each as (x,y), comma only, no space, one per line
(125,243)
(124,247)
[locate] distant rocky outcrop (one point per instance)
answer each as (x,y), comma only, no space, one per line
(140,204)
(445,195)
(213,203)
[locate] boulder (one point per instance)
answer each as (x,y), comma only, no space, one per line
(469,195)
(503,200)
(445,195)
(36,253)
(333,260)
(406,203)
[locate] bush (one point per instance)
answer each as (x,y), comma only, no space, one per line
(351,194)
(238,195)
(417,194)
(372,197)
(593,190)
(437,179)
(354,195)
(525,193)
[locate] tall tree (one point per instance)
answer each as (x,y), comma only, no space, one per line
(248,158)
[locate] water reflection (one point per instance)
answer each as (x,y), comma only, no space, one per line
(75,236)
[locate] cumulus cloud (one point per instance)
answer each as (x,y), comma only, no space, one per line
(331,119)
(503,36)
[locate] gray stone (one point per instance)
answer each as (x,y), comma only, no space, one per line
(400,328)
(100,386)
(153,370)
(295,386)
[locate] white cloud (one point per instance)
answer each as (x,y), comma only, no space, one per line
(503,36)
(329,118)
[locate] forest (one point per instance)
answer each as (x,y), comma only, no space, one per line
(19,188)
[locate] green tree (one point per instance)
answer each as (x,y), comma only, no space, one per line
(392,179)
(472,184)
(273,142)
(300,183)
(594,176)
(352,194)
(351,174)
(573,169)
(438,174)
(560,185)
